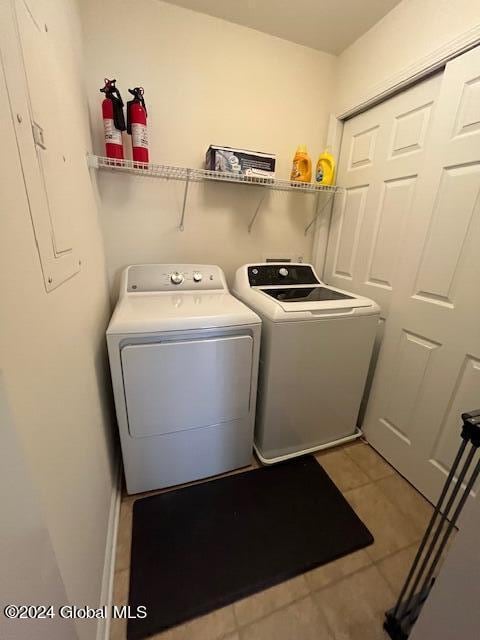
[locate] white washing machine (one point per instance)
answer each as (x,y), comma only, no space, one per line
(316,347)
(184,358)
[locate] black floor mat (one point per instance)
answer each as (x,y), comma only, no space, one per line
(205,546)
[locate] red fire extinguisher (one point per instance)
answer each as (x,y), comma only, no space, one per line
(137,125)
(113,120)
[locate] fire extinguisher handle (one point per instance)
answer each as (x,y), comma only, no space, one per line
(112,93)
(110,88)
(137,93)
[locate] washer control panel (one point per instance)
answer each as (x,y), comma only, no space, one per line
(179,277)
(280,273)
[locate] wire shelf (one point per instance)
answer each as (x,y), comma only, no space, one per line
(168,172)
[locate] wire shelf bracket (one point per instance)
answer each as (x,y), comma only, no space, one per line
(260,202)
(316,212)
(181,226)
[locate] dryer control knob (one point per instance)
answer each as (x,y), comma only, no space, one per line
(176,277)
(197,276)
(283,272)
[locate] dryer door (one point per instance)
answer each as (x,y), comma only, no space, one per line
(174,386)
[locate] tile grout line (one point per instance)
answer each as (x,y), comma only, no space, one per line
(395,473)
(310,593)
(360,486)
(384,460)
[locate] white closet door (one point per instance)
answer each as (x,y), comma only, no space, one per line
(382,152)
(429,366)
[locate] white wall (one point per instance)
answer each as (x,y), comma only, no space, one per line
(52,351)
(30,571)
(413,29)
(206,81)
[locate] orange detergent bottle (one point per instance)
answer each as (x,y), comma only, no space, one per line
(302,165)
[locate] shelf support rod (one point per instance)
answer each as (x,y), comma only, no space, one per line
(185,194)
(257,210)
(316,212)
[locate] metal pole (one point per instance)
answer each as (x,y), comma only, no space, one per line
(426,583)
(399,620)
(444,517)
(187,182)
(430,526)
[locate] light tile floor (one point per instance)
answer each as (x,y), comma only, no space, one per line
(343,600)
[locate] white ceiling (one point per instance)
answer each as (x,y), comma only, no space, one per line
(327,25)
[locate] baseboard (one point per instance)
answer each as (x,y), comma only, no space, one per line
(103,627)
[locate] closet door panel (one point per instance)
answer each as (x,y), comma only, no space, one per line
(381,156)
(436,299)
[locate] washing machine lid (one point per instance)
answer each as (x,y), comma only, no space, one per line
(151,312)
(285,304)
(310,302)
(306,294)
(292,291)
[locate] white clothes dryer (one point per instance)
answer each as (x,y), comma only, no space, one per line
(184,357)
(315,352)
